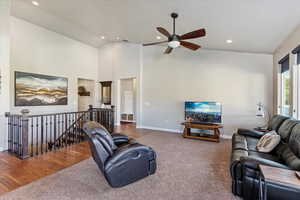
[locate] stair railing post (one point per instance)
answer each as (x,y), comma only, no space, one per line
(91,112)
(9,131)
(24,134)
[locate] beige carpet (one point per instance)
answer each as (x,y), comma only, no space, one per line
(187,170)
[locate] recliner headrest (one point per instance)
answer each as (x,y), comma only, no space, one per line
(93,128)
(294,141)
(276,121)
(285,129)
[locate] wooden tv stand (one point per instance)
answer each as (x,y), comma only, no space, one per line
(202,136)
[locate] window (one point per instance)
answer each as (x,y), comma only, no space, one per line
(285,86)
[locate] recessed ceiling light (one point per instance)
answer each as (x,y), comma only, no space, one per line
(35,3)
(158,37)
(102,37)
(228,41)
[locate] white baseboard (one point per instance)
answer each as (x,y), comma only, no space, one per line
(174,130)
(160,129)
(227,137)
(132,121)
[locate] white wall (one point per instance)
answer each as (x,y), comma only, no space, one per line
(120,61)
(284,49)
(38,50)
(4,68)
(238,80)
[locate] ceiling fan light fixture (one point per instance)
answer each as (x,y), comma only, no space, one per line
(174,44)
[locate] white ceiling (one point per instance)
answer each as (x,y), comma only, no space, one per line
(253,25)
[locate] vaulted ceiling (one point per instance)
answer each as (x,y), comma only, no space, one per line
(254,25)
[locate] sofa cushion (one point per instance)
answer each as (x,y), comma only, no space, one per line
(251,143)
(276,121)
(289,158)
(294,141)
(286,128)
(280,147)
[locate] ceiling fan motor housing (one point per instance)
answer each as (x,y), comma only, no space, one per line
(174,15)
(174,37)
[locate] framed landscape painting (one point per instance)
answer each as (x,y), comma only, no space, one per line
(40,90)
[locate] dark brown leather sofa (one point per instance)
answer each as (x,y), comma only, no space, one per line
(245,159)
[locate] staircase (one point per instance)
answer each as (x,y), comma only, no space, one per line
(32,135)
(72,135)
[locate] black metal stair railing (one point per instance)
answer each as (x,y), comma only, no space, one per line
(32,135)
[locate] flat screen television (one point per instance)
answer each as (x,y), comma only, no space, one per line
(203,112)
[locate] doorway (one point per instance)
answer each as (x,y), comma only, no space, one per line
(128,101)
(86,94)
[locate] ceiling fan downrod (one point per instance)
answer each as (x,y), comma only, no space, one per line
(174,16)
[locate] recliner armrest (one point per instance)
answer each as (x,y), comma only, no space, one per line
(126,153)
(120,138)
(252,162)
(251,133)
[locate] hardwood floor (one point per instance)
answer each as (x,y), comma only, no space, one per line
(15,173)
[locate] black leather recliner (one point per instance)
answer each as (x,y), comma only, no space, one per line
(245,159)
(122,160)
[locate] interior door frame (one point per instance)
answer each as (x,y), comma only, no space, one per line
(118,106)
(95,91)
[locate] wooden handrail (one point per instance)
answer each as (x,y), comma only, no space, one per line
(61,113)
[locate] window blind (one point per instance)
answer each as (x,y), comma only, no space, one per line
(297,51)
(285,63)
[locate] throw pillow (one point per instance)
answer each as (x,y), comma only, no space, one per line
(268,142)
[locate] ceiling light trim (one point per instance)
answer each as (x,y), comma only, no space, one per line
(35,3)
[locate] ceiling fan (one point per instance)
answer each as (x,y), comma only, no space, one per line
(175,40)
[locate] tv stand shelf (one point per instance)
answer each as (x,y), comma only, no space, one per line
(202,136)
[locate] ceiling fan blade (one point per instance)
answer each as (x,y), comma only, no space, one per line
(193,34)
(163,31)
(168,50)
(154,43)
(190,45)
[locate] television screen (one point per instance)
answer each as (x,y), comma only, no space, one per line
(203,112)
